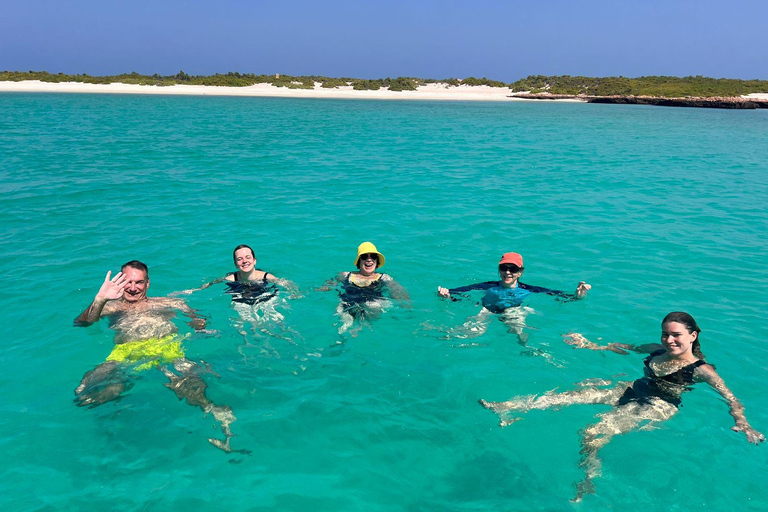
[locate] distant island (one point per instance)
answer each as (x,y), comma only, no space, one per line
(692,91)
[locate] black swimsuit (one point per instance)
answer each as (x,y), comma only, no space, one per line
(353,297)
(250,292)
(666,387)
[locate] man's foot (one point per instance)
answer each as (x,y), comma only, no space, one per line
(582,489)
(221,445)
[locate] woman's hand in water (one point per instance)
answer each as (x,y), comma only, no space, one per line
(443,292)
(181,292)
(753,436)
(576,340)
(291,287)
(582,289)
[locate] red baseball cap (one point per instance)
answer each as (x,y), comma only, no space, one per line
(512,258)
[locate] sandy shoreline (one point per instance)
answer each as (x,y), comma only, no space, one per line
(438,91)
(424,92)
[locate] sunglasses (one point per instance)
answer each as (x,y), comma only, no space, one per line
(373,256)
(513,269)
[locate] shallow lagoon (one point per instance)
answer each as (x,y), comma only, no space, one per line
(659,209)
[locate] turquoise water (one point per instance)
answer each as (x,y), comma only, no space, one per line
(659,209)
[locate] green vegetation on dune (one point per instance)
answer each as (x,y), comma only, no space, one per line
(659,86)
(663,86)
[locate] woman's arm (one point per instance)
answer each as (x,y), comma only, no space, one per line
(449,293)
(287,284)
(332,282)
(708,374)
(203,287)
(576,340)
(396,290)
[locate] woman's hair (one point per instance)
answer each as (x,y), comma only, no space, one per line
(690,324)
(243,246)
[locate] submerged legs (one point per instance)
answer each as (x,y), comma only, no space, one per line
(355,315)
(188,385)
(473,327)
(589,395)
(619,420)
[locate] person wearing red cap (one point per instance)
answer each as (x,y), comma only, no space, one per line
(506,295)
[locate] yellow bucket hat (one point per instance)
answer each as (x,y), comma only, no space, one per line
(368,248)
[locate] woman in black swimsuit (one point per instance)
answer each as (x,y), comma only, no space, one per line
(670,369)
(364,293)
(248,284)
(253,291)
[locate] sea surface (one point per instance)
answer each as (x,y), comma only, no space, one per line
(659,209)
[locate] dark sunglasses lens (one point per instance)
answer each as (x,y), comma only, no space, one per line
(364,257)
(509,268)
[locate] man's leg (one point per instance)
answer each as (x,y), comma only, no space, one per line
(104,383)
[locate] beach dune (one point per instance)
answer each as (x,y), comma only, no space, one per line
(425,92)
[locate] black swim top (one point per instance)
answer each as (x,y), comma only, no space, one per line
(352,293)
(250,292)
(668,387)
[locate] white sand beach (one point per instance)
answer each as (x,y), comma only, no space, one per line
(437,91)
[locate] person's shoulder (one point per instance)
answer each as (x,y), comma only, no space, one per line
(705,372)
(230,276)
(705,368)
(385,277)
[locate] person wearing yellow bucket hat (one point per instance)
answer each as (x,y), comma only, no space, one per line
(506,296)
(365,293)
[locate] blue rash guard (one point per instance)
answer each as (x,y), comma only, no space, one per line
(497,298)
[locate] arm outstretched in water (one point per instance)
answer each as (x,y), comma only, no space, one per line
(576,340)
(289,286)
(203,287)
(396,290)
(331,283)
(707,373)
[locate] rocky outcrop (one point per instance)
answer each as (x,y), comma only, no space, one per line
(714,102)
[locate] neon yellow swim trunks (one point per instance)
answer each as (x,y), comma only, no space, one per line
(149,352)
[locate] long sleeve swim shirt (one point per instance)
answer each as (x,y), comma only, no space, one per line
(497,298)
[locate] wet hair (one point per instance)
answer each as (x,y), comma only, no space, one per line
(690,324)
(137,265)
(243,246)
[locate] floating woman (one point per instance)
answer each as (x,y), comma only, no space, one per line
(505,297)
(670,369)
(254,293)
(365,293)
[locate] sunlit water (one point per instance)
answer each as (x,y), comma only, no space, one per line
(659,209)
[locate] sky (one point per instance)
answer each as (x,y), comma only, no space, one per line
(500,40)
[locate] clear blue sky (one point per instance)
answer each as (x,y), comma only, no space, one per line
(502,40)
